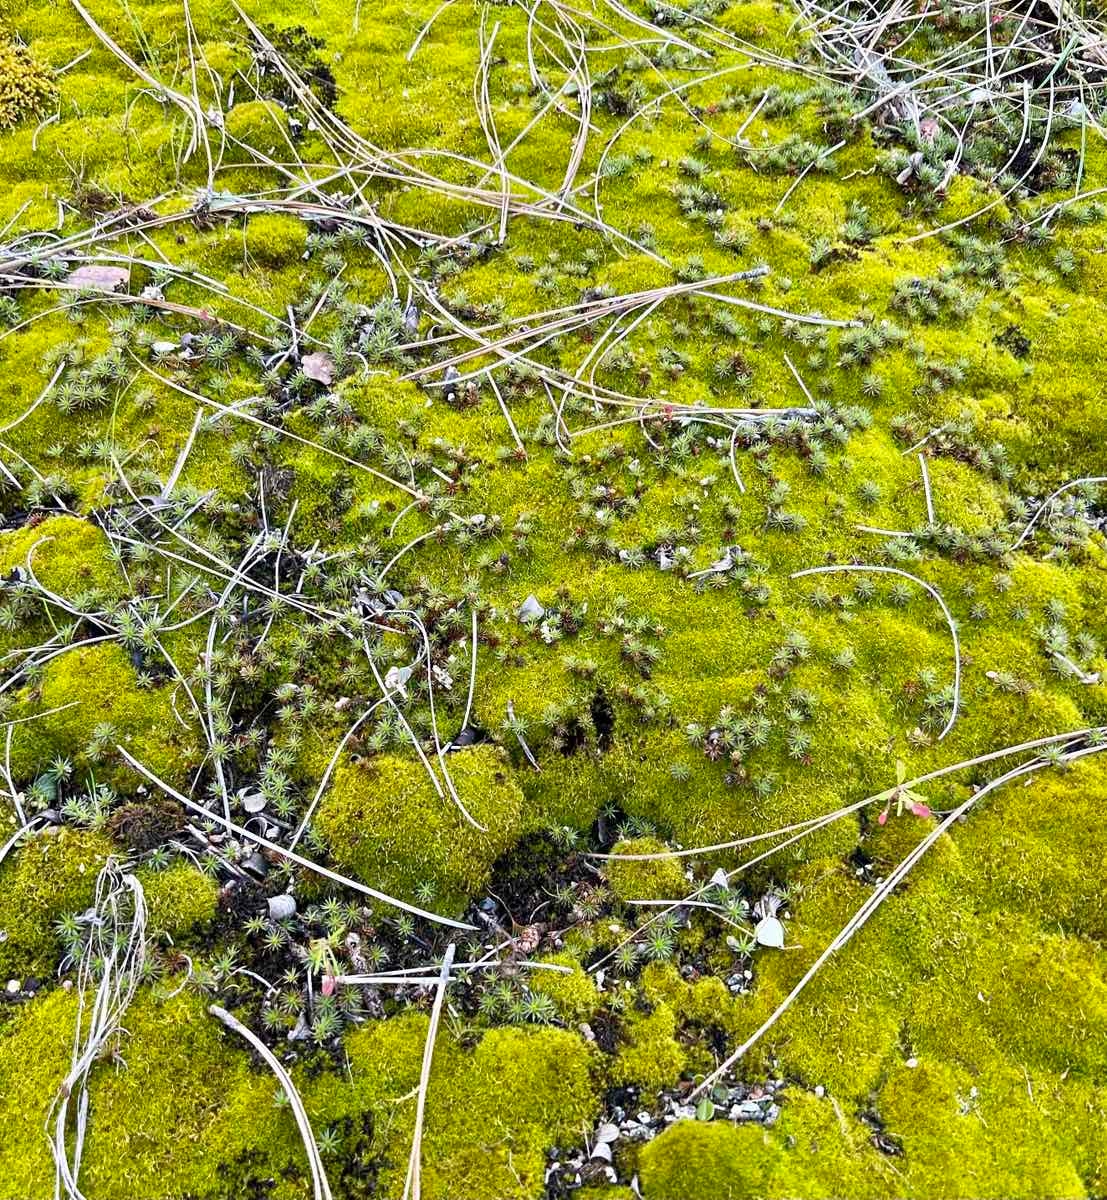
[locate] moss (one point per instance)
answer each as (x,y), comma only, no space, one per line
(275,240)
(26,87)
(383,821)
(654,1058)
(575,994)
(179,899)
(661,879)
(716,1159)
(35,1053)
(952,1124)
(186,1117)
(260,124)
(69,556)
(490,1113)
(103,683)
(1008,906)
(48,876)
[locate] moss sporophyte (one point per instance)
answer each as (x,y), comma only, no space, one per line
(552,600)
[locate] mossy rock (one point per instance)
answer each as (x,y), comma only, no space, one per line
(383,821)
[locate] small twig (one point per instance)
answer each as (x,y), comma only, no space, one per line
(519,737)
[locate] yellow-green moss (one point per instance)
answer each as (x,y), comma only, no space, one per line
(186,1116)
(716,1159)
(49,875)
(384,822)
(992,1139)
(69,556)
(275,240)
(490,1113)
(26,86)
(178,899)
(575,994)
(102,681)
(661,879)
(654,1058)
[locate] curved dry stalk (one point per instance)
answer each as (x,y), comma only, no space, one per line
(306,819)
(321,1189)
(110,969)
(1047,501)
(815,823)
(933,592)
(472,676)
(25,828)
(41,396)
(413,1182)
(931,516)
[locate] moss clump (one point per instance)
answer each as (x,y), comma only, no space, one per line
(256,123)
(661,879)
(654,1058)
(26,86)
(187,1117)
(716,1159)
(69,556)
(815,1151)
(575,994)
(103,682)
(953,1125)
(49,875)
(384,822)
(275,240)
(178,899)
(490,1113)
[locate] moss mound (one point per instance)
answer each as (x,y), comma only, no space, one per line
(51,875)
(384,822)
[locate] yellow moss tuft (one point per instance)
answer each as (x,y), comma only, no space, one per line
(661,879)
(69,556)
(275,240)
(178,898)
(103,683)
(26,86)
(575,994)
(384,822)
(654,1058)
(48,876)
